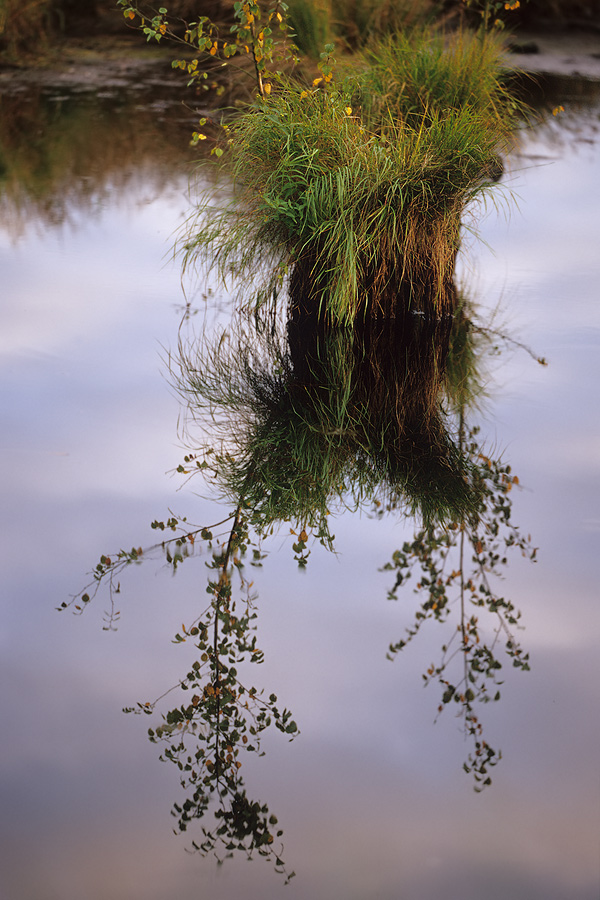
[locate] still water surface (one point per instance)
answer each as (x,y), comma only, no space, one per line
(371,795)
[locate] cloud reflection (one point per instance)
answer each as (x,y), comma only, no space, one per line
(368,795)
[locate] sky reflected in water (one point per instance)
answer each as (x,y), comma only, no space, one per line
(371,795)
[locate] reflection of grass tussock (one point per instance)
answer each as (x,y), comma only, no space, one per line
(322,418)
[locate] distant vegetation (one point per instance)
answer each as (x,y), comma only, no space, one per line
(30,29)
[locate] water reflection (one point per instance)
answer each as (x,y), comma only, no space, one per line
(314,417)
(552,853)
(299,417)
(64,151)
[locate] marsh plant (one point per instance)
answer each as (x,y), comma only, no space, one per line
(349,197)
(253,40)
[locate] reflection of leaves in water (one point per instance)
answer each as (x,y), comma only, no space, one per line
(289,421)
(206,735)
(439,558)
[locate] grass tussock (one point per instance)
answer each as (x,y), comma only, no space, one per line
(362,187)
(360,213)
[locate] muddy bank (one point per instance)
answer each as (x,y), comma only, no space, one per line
(124,61)
(112,62)
(571,54)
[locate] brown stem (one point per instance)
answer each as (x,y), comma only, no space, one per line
(220,587)
(463,632)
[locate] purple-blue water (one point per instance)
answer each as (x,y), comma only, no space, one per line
(371,794)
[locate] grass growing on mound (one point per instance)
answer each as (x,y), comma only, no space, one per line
(363,208)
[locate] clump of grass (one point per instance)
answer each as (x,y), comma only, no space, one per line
(417,76)
(364,217)
(360,189)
